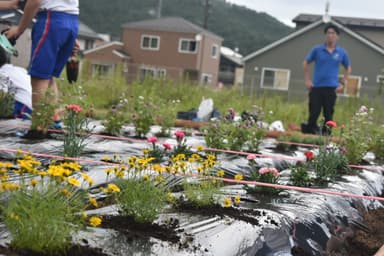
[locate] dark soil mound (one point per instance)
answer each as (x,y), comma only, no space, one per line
(73,251)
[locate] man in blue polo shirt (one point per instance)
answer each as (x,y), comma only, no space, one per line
(325,85)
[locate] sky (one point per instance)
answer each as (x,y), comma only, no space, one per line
(286,10)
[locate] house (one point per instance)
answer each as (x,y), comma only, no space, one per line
(230,67)
(278,67)
(86,36)
(166,47)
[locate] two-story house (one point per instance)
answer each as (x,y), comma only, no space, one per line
(166,47)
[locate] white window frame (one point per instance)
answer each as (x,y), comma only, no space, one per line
(151,37)
(157,72)
(181,40)
(379,78)
(214,55)
(286,87)
(344,94)
(109,69)
(208,77)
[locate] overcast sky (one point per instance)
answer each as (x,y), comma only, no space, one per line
(286,10)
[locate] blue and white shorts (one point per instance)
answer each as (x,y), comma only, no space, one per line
(53,39)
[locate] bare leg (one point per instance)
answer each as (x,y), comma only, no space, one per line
(39,88)
(380,252)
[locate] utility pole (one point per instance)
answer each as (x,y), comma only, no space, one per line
(159,7)
(206,13)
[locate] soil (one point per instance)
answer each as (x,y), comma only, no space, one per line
(73,251)
(361,243)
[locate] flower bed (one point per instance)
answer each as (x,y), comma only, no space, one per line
(207,230)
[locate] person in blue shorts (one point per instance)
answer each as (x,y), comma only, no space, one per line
(53,39)
(325,85)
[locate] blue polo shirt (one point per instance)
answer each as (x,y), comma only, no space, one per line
(326,70)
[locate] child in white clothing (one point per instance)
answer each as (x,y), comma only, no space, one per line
(16,82)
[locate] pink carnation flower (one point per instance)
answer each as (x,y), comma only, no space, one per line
(251,157)
(152,139)
(74,107)
(167,146)
(180,134)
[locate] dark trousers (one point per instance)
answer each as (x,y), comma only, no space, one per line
(321,98)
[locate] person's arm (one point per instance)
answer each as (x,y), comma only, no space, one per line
(307,76)
(12,4)
(30,10)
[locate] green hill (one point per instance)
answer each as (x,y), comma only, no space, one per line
(246,29)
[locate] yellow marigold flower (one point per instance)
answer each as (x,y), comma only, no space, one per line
(94,221)
(227,202)
(14,216)
(93,201)
(113,188)
(4,177)
(108,171)
(200,148)
(237,199)
(42,174)
(146,151)
(159,178)
(146,177)
(119,174)
(33,182)
(10,186)
(72,165)
(105,158)
(87,178)
(238,176)
(73,182)
(170,197)
(66,192)
(220,173)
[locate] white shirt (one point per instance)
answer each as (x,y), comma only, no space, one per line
(16,81)
(67,6)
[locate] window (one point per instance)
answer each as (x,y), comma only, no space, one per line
(274,78)
(351,86)
(380,79)
(150,42)
(206,78)
(152,72)
(101,69)
(214,51)
(187,46)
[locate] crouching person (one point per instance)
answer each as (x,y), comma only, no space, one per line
(16,82)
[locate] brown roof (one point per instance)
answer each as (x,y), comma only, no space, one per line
(169,24)
(349,21)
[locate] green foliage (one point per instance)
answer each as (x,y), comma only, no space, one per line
(355,137)
(76,131)
(202,193)
(6,104)
(331,162)
(141,199)
(141,110)
(233,135)
(266,175)
(237,19)
(377,142)
(42,113)
(165,114)
(299,176)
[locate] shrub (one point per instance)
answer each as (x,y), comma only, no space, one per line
(141,199)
